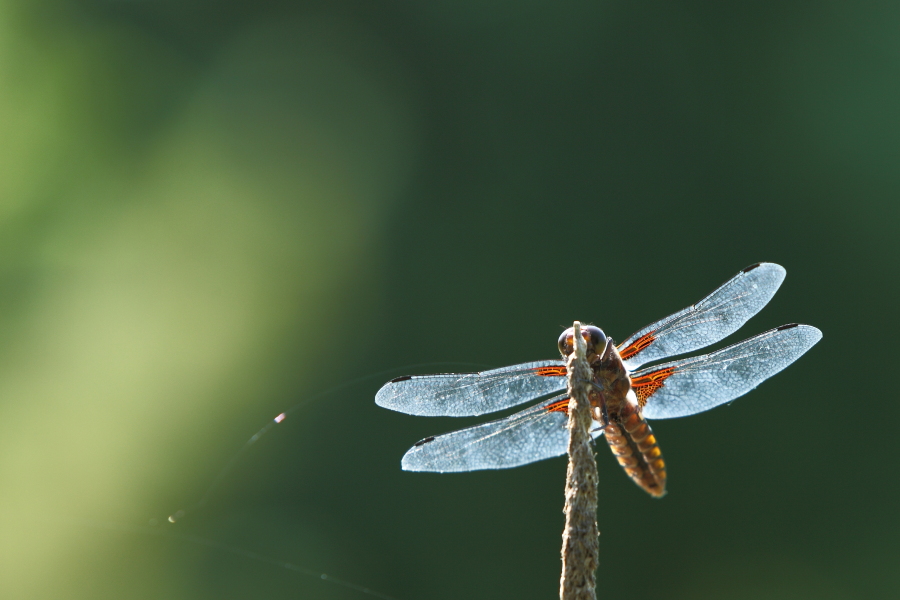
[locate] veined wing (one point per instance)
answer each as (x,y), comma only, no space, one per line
(692,385)
(472,394)
(530,435)
(715,317)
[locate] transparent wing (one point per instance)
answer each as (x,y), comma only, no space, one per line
(686,387)
(471,394)
(530,435)
(715,317)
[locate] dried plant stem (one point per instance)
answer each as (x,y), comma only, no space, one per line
(580,546)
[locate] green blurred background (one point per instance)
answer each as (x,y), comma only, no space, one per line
(211,212)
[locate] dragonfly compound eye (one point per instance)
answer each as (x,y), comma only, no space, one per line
(565,342)
(594,336)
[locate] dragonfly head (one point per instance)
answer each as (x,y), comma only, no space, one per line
(594,336)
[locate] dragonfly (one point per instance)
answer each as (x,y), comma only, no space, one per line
(630,386)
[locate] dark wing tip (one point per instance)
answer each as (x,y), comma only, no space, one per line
(398,379)
(425,441)
(811,335)
(750,268)
(767,265)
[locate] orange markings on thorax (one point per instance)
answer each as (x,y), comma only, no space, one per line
(550,371)
(637,345)
(559,406)
(646,385)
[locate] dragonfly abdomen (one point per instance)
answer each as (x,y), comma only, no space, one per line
(634,446)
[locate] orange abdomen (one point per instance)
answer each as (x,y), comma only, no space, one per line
(634,445)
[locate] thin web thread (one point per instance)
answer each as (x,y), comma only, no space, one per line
(201,541)
(223,473)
